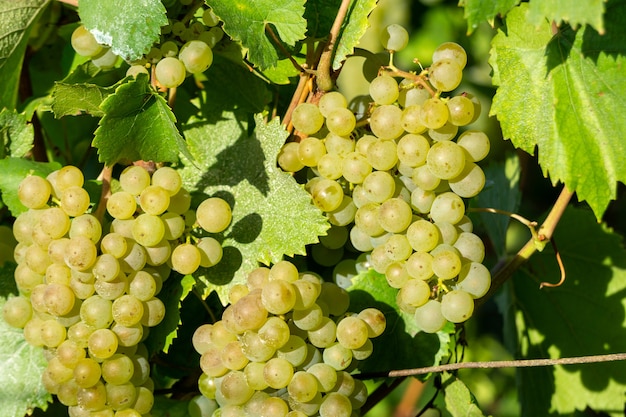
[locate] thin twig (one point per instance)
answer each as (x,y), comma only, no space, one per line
(521,219)
(280,45)
(559,261)
(416,78)
(522,363)
(105,176)
(324,80)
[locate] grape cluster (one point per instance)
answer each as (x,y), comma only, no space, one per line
(395,188)
(284,347)
(185,48)
(88,297)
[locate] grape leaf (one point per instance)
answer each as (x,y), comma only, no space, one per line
(501,192)
(320,15)
(22,364)
(353,31)
(478,11)
(584,316)
(16,20)
(12,172)
(137,125)
(459,400)
(272,214)
(128,27)
(173,292)
(575,13)
(564,94)
(16,134)
(166,407)
(411,347)
(246,21)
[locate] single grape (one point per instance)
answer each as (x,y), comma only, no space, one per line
(170,72)
(34,192)
(395,215)
(457,306)
(386,122)
(196,55)
(214,215)
(394,37)
(475,143)
(210,251)
(336,405)
(327,194)
(307,118)
(451,50)
(310,150)
(106,59)
(341,121)
(379,186)
(75,201)
(84,42)
(412,149)
(382,155)
(384,89)
(461,110)
(445,74)
(474,279)
(331,100)
(167,178)
(447,207)
(288,158)
(186,258)
(428,317)
(356,167)
(134,179)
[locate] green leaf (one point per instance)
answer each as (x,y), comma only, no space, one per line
(501,192)
(272,214)
(166,407)
(564,94)
(21,389)
(354,30)
(16,134)
(137,125)
(83,91)
(459,400)
(16,20)
(320,15)
(283,70)
(402,345)
(12,172)
(580,12)
(246,21)
(173,292)
(478,11)
(128,27)
(584,316)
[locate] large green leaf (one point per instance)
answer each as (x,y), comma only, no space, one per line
(584,316)
(129,27)
(354,30)
(16,20)
(579,12)
(459,400)
(564,94)
(16,134)
(137,125)
(21,389)
(272,214)
(12,172)
(246,21)
(402,345)
(478,11)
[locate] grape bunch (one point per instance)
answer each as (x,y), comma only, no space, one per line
(284,347)
(394,184)
(89,298)
(185,48)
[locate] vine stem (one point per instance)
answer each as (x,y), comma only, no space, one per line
(521,363)
(324,80)
(105,176)
(544,233)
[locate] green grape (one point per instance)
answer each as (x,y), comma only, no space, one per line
(86,225)
(277,373)
(329,166)
(81,253)
(75,201)
(465,225)
(118,369)
(84,42)
(449,232)
(274,332)
(158,254)
(59,299)
(37,259)
(170,72)
(180,202)
(335,405)
(327,194)
(340,121)
(446,132)
(112,289)
(249,311)
(96,312)
(424,178)
(367,221)
(294,351)
(446,263)
(395,215)
(174,225)
(210,251)
(338,356)
(375,321)
(121,397)
(450,50)
(102,343)
(447,207)
(308,318)
(106,268)
(127,310)
(53,333)
(288,158)
(344,214)
(54,222)
(414,95)
(254,348)
(284,270)
(145,400)
(307,118)
(214,215)
(414,293)
(446,160)
(134,179)
(186,258)
(433,113)
(474,279)
(87,372)
(384,89)
(148,229)
(412,119)
(254,375)
(428,317)
(461,110)
(355,167)
(17,311)
(211,362)
(339,145)
(278,296)
(135,70)
(310,408)
(413,149)
(308,289)
(34,192)
(135,257)
(153,312)
(303,386)
(336,298)
(106,59)
(325,374)
(382,155)
(212,36)
(68,176)
(457,306)
(154,199)
(379,186)
(128,336)
(233,357)
(209,18)
(396,274)
(471,247)
(310,150)
(168,179)
(386,122)
(423,235)
(169,48)
(475,143)
(394,38)
(330,101)
(445,74)
(196,56)
(352,332)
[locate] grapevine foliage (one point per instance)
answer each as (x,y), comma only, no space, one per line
(226,129)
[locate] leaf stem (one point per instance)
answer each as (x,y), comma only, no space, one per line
(521,363)
(324,79)
(416,78)
(280,45)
